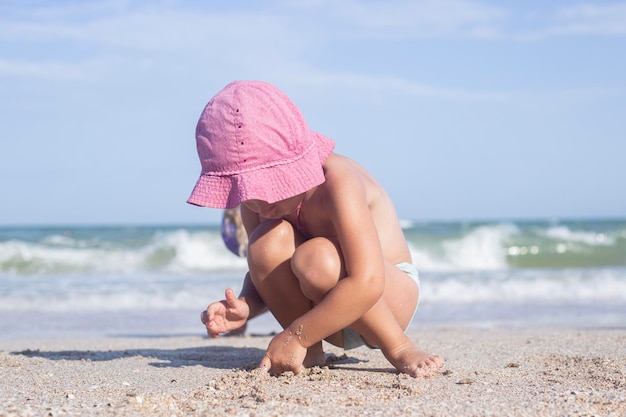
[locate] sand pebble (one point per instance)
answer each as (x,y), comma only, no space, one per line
(466,381)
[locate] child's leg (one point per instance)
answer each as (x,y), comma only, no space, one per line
(318,265)
(383,325)
(271,246)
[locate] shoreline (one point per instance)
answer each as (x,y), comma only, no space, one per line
(186,322)
(500,371)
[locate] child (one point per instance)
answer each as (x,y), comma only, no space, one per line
(233,233)
(326,254)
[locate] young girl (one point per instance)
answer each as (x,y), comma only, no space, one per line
(326,254)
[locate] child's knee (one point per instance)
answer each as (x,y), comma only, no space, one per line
(271,243)
(317,265)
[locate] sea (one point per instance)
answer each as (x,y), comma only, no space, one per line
(149,281)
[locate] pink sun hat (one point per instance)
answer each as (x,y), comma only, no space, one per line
(254,144)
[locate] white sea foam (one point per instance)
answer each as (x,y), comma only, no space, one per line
(169,292)
(564,233)
(483,248)
(113,292)
(173,268)
(199,252)
(177,251)
(536,286)
(488,247)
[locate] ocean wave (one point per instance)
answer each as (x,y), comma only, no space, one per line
(123,268)
(515,286)
(176,292)
(491,247)
(200,250)
(179,251)
(591,238)
(482,248)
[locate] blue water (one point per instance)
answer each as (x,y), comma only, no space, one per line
(156,279)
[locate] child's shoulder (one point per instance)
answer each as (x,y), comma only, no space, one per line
(340,165)
(341,169)
(346,180)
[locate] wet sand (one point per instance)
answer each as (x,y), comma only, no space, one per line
(517,372)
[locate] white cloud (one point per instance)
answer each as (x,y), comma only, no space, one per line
(296,25)
(43,9)
(65,42)
(50,69)
(362,86)
(407,19)
(94,39)
(609,19)
(580,19)
(145,30)
(390,86)
(467,19)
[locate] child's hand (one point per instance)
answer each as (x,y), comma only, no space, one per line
(284,353)
(226,315)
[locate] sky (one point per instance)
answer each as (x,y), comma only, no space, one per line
(463,110)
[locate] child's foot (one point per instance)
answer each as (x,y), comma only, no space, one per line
(414,362)
(314,356)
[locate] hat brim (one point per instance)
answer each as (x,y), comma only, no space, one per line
(269,184)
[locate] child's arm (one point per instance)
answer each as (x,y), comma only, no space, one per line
(233,312)
(349,211)
(249,293)
(252,298)
(225,315)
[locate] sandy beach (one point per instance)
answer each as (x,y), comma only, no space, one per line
(516,372)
